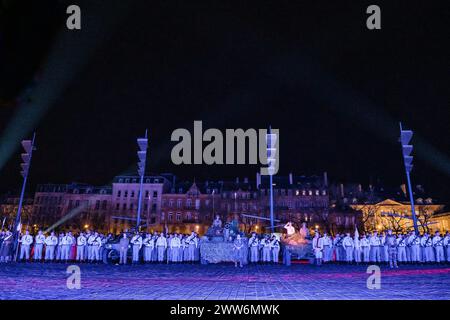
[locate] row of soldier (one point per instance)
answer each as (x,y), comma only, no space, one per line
(375,248)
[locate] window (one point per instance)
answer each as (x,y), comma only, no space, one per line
(317,192)
(131,206)
(132,194)
(171,203)
(178,217)
(104,204)
(125,194)
(147,193)
(162,216)
(188,203)
(179,203)
(124,206)
(155,194)
(97,204)
(188,216)
(117,206)
(169,218)
(119,193)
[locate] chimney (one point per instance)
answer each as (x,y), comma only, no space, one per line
(291,180)
(342,190)
(325,179)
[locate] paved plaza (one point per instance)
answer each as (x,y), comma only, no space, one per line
(222,282)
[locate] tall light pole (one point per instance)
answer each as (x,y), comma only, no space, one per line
(405,138)
(142,156)
(271,140)
(28,146)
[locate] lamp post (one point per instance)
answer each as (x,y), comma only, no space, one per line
(142,156)
(405,138)
(271,140)
(28,146)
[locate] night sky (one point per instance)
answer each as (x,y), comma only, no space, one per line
(335,89)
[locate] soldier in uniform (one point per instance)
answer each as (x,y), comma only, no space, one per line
(66,245)
(81,244)
(265,243)
(384,249)
(136,241)
(427,248)
(358,250)
(175,244)
(169,248)
(38,246)
(123,248)
(25,243)
(180,248)
(365,248)
(50,244)
(438,247)
(59,247)
(375,243)
(337,244)
(96,244)
(253,244)
(317,245)
(327,247)
(275,246)
(447,245)
(238,250)
(147,243)
(414,242)
(391,242)
(408,247)
(192,245)
(88,247)
(161,245)
(401,248)
(5,250)
(348,247)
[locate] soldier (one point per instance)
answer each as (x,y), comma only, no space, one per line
(175,244)
(123,248)
(253,244)
(337,244)
(384,249)
(181,248)
(348,247)
(438,247)
(427,248)
(358,250)
(375,243)
(88,247)
(59,247)
(25,243)
(50,244)
(327,247)
(81,244)
(136,241)
(408,248)
(365,248)
(66,245)
(161,245)
(38,245)
(414,242)
(5,250)
(192,245)
(275,245)
(147,248)
(447,245)
(238,250)
(96,244)
(169,248)
(317,245)
(401,248)
(391,242)
(266,249)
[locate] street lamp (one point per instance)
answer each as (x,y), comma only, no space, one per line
(142,155)
(271,139)
(405,138)
(28,146)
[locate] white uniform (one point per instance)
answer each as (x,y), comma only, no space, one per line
(136,241)
(348,247)
(81,244)
(401,249)
(25,244)
(265,250)
(275,246)
(358,250)
(38,246)
(66,242)
(161,245)
(375,243)
(327,248)
(337,244)
(438,248)
(318,247)
(447,246)
(253,243)
(95,242)
(59,248)
(414,242)
(427,248)
(175,244)
(384,249)
(365,248)
(148,244)
(192,242)
(50,244)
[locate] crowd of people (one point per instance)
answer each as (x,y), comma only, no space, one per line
(90,247)
(386,247)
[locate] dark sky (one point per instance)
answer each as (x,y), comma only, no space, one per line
(335,89)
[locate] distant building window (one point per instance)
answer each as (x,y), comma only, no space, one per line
(171,203)
(178,217)
(188,203)
(125,194)
(127,180)
(169,218)
(155,194)
(147,193)
(119,193)
(132,194)
(124,206)
(121,180)
(179,203)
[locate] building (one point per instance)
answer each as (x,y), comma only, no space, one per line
(8,211)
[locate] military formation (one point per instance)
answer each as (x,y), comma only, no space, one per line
(387,247)
(89,247)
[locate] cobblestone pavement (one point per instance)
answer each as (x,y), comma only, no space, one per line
(222,282)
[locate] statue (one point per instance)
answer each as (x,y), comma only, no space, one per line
(215,231)
(294,238)
(217,223)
